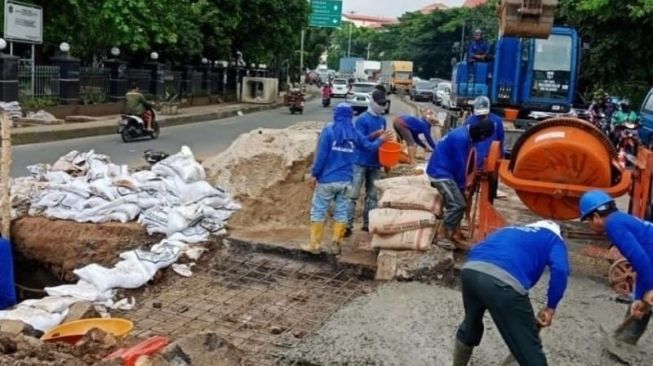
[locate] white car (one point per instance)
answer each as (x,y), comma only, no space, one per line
(359,96)
(441,91)
(340,88)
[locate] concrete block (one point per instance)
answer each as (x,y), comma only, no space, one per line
(433,265)
(15,327)
(81,310)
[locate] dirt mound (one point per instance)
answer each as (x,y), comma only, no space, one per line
(62,246)
(264,169)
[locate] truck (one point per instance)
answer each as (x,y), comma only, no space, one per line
(367,70)
(348,65)
(397,75)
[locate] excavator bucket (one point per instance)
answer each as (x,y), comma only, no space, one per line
(527,18)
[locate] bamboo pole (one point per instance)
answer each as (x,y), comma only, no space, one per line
(5,169)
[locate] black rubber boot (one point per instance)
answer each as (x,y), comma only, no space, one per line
(462,353)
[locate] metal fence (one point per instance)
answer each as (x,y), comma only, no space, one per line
(198,87)
(173,83)
(139,77)
(93,85)
(46,81)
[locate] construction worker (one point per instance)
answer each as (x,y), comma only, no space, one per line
(367,168)
(634,239)
(332,175)
(408,129)
(497,277)
(479,49)
(447,171)
(7,285)
(482,111)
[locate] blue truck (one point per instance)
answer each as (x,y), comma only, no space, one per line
(525,74)
(347,65)
(646,121)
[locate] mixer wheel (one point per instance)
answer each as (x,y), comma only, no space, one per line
(622,277)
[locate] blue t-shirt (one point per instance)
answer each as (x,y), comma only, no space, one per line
(367,124)
(449,159)
(417,127)
(524,252)
(334,162)
(634,239)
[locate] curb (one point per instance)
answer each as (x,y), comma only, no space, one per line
(23,138)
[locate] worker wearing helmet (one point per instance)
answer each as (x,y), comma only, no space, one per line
(602,108)
(332,175)
(481,112)
(497,277)
(478,49)
(408,128)
(634,239)
(447,171)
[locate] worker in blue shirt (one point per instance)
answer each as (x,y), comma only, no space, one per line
(367,168)
(634,239)
(482,111)
(408,129)
(7,285)
(497,277)
(447,172)
(332,174)
(479,49)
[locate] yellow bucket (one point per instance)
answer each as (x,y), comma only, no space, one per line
(72,332)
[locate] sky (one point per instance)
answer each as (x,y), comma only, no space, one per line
(391,8)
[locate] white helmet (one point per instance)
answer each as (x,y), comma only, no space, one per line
(481,106)
(549,225)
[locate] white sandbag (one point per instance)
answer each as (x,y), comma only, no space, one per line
(191,235)
(51,304)
(65,163)
(412,198)
(37,318)
(143,176)
(391,221)
(58,177)
(409,180)
(103,188)
(81,290)
(49,199)
(192,192)
(182,165)
(76,186)
(176,222)
(420,239)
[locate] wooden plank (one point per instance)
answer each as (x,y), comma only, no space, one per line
(5,169)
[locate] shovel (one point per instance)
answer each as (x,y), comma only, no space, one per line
(624,352)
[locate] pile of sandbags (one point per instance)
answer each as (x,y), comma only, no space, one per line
(408,214)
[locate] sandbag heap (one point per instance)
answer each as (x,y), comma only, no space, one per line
(172,198)
(408,213)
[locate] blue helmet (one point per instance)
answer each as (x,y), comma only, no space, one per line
(592,201)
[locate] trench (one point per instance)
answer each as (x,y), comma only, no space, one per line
(31,278)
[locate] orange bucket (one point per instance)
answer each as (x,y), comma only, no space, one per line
(510,114)
(389,154)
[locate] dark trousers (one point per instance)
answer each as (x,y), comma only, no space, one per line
(511,312)
(635,330)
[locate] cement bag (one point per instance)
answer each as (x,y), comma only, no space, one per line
(391,221)
(81,290)
(37,318)
(412,198)
(408,180)
(408,240)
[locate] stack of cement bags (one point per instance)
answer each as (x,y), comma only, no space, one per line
(408,214)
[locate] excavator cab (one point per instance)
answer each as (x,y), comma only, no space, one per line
(527,18)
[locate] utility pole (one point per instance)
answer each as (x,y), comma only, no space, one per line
(351,25)
(462,41)
(301,62)
(369,47)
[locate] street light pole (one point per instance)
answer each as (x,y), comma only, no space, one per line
(301,62)
(349,49)
(369,46)
(462,41)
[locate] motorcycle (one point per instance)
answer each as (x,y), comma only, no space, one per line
(132,127)
(326,101)
(627,138)
(295,102)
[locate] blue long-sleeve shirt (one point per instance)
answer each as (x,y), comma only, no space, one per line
(481,47)
(634,239)
(7,285)
(483,147)
(367,124)
(523,252)
(335,162)
(449,159)
(417,127)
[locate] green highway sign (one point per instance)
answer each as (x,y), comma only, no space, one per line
(325,13)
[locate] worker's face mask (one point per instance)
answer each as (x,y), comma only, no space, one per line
(376,109)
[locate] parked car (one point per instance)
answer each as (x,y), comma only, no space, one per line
(359,96)
(441,90)
(421,91)
(340,88)
(646,120)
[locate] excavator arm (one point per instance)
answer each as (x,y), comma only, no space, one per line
(527,18)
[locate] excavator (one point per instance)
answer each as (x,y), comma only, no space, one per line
(554,162)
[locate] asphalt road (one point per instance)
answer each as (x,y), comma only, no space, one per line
(204,138)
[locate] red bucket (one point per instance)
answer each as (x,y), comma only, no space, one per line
(389,154)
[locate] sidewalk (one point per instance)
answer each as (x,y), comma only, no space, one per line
(107,125)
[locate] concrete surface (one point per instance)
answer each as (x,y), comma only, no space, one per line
(415,324)
(204,138)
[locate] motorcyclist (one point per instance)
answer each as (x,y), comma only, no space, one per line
(620,118)
(602,107)
(479,49)
(137,105)
(327,91)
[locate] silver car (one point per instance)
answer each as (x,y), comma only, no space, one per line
(359,96)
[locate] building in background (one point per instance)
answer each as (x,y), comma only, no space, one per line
(433,7)
(367,21)
(474,3)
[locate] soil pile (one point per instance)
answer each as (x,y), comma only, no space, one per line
(62,246)
(265,170)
